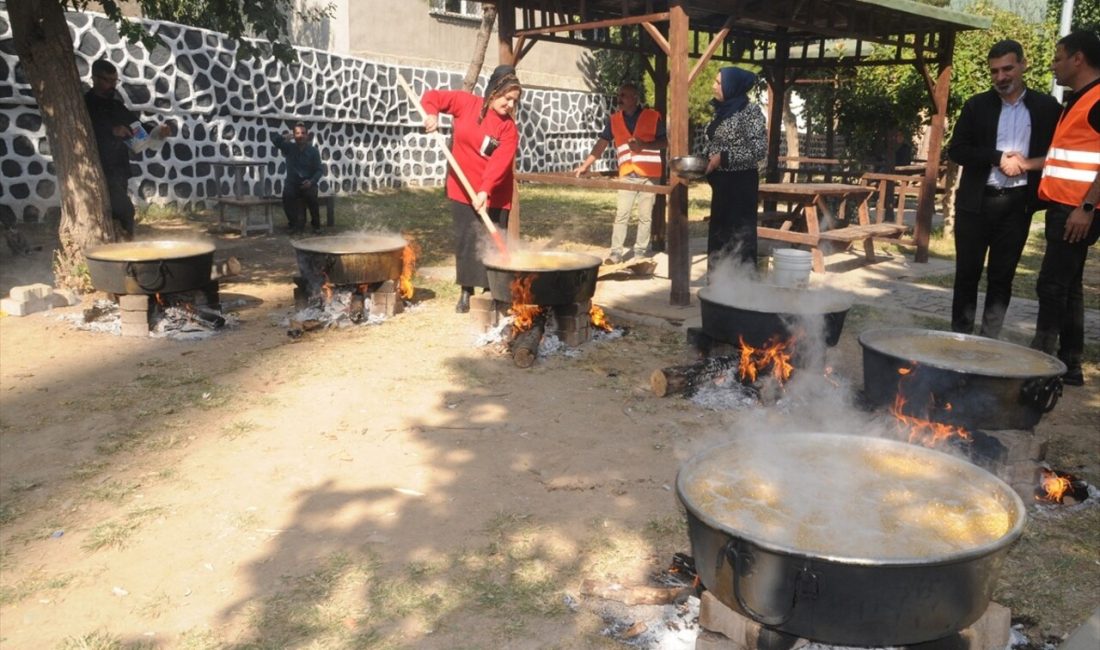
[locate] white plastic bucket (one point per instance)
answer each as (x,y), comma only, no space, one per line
(791,267)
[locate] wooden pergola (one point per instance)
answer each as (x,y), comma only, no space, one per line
(785,38)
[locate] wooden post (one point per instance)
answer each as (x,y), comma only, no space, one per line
(679,255)
(926,204)
(777,85)
(506,29)
(660,102)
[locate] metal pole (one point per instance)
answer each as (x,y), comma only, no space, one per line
(1063,29)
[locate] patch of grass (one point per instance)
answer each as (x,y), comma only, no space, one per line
(238,428)
(117,533)
(89,469)
(10,594)
(118,441)
(9,512)
(112,491)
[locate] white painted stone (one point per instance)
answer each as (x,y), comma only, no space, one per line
(13,307)
(31,291)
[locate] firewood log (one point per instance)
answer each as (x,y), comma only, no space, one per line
(688,378)
(525,345)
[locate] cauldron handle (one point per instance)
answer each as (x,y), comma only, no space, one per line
(805,583)
(162,279)
(1042,392)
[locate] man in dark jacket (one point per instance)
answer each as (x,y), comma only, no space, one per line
(113,125)
(998,131)
(303,172)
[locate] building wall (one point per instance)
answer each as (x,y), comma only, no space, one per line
(417,36)
(226,110)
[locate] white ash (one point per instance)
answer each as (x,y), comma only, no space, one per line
(667,627)
(184,325)
(726,393)
(601,335)
(495,335)
(335,312)
(551,345)
(107,318)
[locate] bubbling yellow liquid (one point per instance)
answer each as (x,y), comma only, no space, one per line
(849,500)
(145,251)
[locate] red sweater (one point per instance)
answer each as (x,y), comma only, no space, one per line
(491,174)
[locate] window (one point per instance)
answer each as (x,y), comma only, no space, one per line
(464,8)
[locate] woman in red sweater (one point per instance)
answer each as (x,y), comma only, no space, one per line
(484,144)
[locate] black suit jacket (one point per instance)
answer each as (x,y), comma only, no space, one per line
(974,144)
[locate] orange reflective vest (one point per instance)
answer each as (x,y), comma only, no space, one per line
(1074,156)
(646,162)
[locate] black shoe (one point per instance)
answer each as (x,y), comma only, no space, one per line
(463,305)
(1074,377)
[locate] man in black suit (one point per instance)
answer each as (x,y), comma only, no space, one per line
(998,132)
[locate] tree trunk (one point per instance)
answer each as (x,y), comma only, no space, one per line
(790,132)
(45,48)
(488,17)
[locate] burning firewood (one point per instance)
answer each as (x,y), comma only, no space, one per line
(689,378)
(525,344)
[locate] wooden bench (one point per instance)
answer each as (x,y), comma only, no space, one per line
(262,221)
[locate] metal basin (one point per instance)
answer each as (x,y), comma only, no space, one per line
(350,259)
(691,168)
(759,313)
(556,277)
(150,267)
(959,379)
(848,540)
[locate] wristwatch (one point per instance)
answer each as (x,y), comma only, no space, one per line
(1089,207)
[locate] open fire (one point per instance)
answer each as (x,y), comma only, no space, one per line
(773,356)
(922,429)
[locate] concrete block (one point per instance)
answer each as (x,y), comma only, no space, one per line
(133,302)
(13,307)
(482,302)
(740,630)
(1021,444)
(574,338)
(575,309)
(64,298)
(484,320)
(30,292)
(714,641)
(135,329)
(134,317)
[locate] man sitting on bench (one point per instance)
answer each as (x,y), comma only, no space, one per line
(303,172)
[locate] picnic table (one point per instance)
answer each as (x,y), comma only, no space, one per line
(809,217)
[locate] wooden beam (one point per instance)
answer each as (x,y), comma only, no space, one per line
(657,37)
(778,94)
(506,30)
(679,255)
(926,203)
(595,24)
(589,182)
(715,42)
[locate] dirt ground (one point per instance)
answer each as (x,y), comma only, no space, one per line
(377,486)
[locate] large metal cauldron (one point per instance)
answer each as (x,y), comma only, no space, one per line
(959,379)
(557,277)
(796,574)
(150,267)
(758,313)
(350,259)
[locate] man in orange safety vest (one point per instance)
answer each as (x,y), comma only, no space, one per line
(639,137)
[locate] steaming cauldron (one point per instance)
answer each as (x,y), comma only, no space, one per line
(558,277)
(350,259)
(149,267)
(757,313)
(848,540)
(959,379)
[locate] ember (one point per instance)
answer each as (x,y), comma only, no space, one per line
(773,355)
(923,430)
(1060,487)
(409,256)
(522,311)
(599,319)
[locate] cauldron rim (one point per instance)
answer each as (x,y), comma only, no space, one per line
(582,261)
(1014,503)
(346,244)
(200,248)
(801,308)
(875,339)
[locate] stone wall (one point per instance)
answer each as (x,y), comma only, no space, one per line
(225,110)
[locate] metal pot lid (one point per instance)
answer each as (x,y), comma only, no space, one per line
(963,353)
(351,244)
(147,251)
(536,261)
(852,499)
(769,299)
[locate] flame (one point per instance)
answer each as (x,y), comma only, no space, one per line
(904,371)
(408,266)
(599,319)
(1054,485)
(522,311)
(327,287)
(923,431)
(159,299)
(773,355)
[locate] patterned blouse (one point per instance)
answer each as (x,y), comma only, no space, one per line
(741,138)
